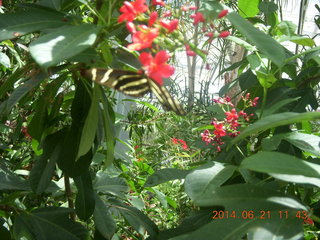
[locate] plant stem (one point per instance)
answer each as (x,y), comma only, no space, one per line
(69,196)
(265,92)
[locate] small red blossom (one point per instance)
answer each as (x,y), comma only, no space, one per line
(169,25)
(156,68)
(210,34)
(24,130)
(167,13)
(175,140)
(158,2)
(136,147)
(224,34)
(0,3)
(219,129)
(130,10)
(255,101)
(184,8)
(153,18)
(144,38)
(223,13)
(193,8)
(197,17)
(232,115)
(131,27)
(189,52)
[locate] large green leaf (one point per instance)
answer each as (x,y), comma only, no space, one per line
(248,8)
(12,182)
(13,25)
(91,123)
(249,203)
(103,219)
(284,167)
(207,178)
(266,44)
(105,184)
(51,223)
(276,120)
(21,91)
(136,218)
(36,127)
(42,172)
(62,44)
(85,201)
(165,175)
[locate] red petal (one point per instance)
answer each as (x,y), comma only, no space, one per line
(161,57)
(165,70)
(145,58)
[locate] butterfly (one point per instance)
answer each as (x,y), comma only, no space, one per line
(134,84)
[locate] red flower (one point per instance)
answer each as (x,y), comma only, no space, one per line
(131,27)
(219,129)
(197,17)
(223,13)
(170,25)
(167,13)
(308,221)
(153,18)
(193,8)
(232,115)
(130,10)
(156,68)
(206,137)
(184,8)
(136,147)
(144,38)
(189,51)
(158,2)
(210,34)
(175,140)
(224,34)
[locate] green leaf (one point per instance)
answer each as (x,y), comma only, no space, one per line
(147,104)
(300,40)
(5,60)
(270,109)
(267,45)
(103,219)
(85,201)
(242,198)
(42,172)
(266,80)
(62,44)
(135,218)
(247,80)
(276,120)
(287,28)
(248,8)
(91,123)
(206,178)
(37,125)
(12,182)
(284,167)
(268,7)
(51,223)
(20,92)
(165,175)
(105,184)
(13,25)
(242,43)
(108,124)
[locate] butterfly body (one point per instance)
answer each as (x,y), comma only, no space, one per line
(135,85)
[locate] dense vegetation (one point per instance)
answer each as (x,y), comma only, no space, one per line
(241,165)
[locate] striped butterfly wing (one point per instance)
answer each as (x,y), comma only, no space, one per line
(135,85)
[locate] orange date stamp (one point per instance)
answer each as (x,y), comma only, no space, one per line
(262,214)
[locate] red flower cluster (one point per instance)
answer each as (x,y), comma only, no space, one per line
(180,141)
(143,36)
(229,125)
